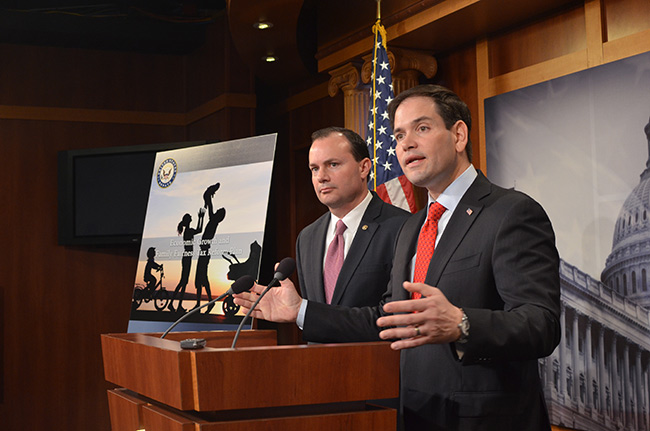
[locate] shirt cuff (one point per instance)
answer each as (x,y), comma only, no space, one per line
(300,320)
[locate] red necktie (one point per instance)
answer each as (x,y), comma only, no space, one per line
(334,261)
(426,244)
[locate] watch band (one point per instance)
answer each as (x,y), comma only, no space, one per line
(464,328)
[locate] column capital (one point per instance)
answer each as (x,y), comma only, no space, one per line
(346,78)
(408,59)
(405,64)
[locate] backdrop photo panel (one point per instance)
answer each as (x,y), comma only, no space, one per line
(580,146)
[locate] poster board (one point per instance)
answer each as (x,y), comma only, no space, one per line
(204,228)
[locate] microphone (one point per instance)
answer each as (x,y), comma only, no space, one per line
(242,284)
(285,268)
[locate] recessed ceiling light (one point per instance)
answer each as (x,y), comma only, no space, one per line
(263,25)
(270,58)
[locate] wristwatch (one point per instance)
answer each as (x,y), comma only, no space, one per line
(464,328)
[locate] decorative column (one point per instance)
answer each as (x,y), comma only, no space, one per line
(638,404)
(602,375)
(615,380)
(356,97)
(588,355)
(549,386)
(626,383)
(574,358)
(561,347)
(646,392)
(406,66)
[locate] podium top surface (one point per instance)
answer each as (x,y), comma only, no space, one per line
(257,374)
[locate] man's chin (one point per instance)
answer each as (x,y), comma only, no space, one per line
(326,199)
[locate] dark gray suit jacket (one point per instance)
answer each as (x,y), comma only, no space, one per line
(366,269)
(497,260)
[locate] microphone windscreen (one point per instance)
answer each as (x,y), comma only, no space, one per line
(285,268)
(242,284)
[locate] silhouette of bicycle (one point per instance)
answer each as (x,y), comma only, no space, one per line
(158,294)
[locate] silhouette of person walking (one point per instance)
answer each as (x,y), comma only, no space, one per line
(186,261)
(215,217)
(149,278)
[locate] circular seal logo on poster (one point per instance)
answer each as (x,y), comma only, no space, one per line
(167,173)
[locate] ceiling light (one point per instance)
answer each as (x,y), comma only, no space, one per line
(263,25)
(270,58)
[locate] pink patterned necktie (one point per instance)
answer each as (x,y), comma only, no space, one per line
(334,261)
(426,244)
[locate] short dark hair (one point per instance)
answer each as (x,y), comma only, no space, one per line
(449,106)
(358,146)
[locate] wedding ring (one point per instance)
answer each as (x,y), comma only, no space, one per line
(417,331)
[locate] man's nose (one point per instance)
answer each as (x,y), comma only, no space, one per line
(322,176)
(407,142)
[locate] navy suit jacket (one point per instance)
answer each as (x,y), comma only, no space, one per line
(366,269)
(497,260)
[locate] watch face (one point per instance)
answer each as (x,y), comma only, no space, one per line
(464,328)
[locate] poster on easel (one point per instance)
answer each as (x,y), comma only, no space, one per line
(204,228)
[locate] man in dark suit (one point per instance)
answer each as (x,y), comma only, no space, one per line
(340,163)
(490,302)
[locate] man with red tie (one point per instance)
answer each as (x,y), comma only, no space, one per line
(474,296)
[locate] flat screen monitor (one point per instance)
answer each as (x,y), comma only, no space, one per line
(103,192)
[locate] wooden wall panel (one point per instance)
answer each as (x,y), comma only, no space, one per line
(537,42)
(58,300)
(625,17)
(82,78)
(457,71)
(304,121)
(216,68)
(228,123)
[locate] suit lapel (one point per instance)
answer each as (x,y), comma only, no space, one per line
(366,230)
(466,212)
(404,251)
(314,275)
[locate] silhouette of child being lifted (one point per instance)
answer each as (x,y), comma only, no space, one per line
(214,218)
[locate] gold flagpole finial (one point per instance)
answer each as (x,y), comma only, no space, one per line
(378,10)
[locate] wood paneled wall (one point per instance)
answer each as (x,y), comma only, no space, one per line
(56,300)
(589,35)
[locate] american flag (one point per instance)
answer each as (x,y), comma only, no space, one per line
(386,175)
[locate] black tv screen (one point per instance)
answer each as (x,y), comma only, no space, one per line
(103,192)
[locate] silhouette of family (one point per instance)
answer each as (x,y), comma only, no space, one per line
(201,280)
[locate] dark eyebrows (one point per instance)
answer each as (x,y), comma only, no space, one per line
(326,162)
(415,122)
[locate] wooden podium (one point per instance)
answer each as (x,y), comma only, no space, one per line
(257,386)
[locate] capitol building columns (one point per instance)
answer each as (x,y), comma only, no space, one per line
(602,375)
(588,368)
(599,377)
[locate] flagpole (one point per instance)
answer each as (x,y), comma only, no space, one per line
(374,111)
(389,181)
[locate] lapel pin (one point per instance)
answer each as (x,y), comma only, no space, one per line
(364,227)
(469,211)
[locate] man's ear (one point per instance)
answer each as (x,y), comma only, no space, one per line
(461,133)
(365,166)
